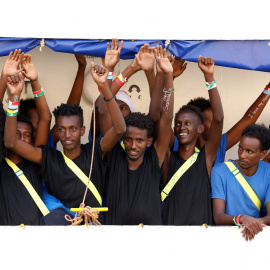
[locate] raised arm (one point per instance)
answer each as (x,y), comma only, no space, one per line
(250,117)
(2,126)
(21,147)
(114,134)
(11,67)
(163,139)
(207,67)
(112,57)
(43,110)
(77,89)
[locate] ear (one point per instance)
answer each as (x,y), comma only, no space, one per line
(82,130)
(201,128)
(149,141)
(263,154)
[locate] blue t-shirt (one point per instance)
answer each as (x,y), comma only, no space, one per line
(50,141)
(220,152)
(226,187)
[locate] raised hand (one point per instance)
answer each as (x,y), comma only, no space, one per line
(29,70)
(81,59)
(179,66)
(99,74)
(206,64)
(163,63)
(11,66)
(15,84)
(145,58)
(135,64)
(112,55)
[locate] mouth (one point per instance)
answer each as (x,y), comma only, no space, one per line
(68,142)
(133,152)
(242,162)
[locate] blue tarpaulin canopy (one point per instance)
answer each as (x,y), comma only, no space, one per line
(250,54)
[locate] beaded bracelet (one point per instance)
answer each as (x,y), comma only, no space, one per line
(12,113)
(13,105)
(168,92)
(211,85)
(235,222)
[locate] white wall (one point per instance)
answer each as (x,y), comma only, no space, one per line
(238,88)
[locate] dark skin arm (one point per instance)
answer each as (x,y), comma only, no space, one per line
(250,117)
(43,110)
(2,125)
(162,142)
(11,67)
(114,134)
(16,145)
(207,67)
(77,88)
(252,225)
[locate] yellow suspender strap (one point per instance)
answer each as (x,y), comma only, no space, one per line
(165,192)
(82,177)
(19,173)
(245,185)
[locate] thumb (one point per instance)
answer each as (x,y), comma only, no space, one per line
(264,225)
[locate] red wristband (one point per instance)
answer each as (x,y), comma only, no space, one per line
(266,88)
(238,219)
(99,89)
(119,82)
(38,91)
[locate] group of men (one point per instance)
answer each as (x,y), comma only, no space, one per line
(141,169)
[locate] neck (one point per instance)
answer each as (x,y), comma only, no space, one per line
(200,142)
(16,159)
(186,151)
(247,171)
(74,153)
(134,164)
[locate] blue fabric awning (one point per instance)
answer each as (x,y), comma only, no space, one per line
(250,54)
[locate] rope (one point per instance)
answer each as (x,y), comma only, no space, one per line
(87,213)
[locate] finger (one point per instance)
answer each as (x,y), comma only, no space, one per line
(92,68)
(14,55)
(9,80)
(121,46)
(21,76)
(10,55)
(164,52)
(17,77)
(264,225)
(13,79)
(141,49)
(30,59)
(116,43)
(146,47)
(113,43)
(184,66)
(17,55)
(108,46)
(21,56)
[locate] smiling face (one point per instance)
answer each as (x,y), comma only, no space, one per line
(124,108)
(69,131)
(136,141)
(249,152)
(187,127)
(24,132)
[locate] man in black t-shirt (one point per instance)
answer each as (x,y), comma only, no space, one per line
(133,194)
(60,180)
(189,201)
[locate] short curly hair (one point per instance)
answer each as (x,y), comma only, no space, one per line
(141,121)
(25,119)
(200,102)
(67,110)
(192,108)
(25,105)
(259,132)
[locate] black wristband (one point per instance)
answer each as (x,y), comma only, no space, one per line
(109,99)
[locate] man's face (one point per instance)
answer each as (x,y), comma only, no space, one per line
(124,108)
(249,152)
(69,131)
(33,117)
(187,127)
(207,119)
(24,132)
(136,141)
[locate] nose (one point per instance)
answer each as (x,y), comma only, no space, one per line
(243,155)
(67,133)
(133,144)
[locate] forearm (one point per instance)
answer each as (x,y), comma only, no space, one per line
(3,86)
(150,75)
(10,133)
(265,220)
(76,91)
(127,73)
(223,219)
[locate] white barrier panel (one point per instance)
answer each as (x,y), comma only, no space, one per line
(132,247)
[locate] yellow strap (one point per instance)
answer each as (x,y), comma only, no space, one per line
(19,173)
(165,192)
(82,177)
(245,185)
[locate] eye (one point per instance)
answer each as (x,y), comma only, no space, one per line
(73,129)
(139,140)
(250,152)
(60,129)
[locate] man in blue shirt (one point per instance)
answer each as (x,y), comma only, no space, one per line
(232,202)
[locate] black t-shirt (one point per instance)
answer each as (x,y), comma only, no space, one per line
(64,184)
(189,201)
(133,197)
(17,206)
